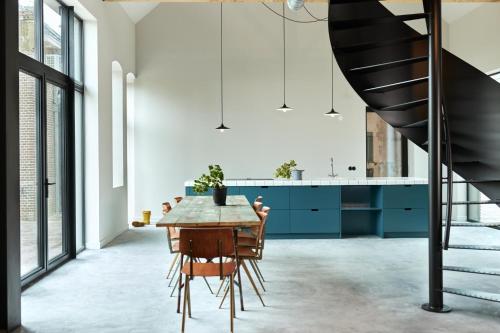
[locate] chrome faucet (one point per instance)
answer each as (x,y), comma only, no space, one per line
(333,174)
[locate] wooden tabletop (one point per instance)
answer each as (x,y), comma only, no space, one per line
(200,211)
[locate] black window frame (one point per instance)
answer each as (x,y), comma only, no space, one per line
(36,67)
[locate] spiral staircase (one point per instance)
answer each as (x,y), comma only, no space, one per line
(386,62)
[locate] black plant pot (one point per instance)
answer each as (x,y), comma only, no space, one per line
(220,195)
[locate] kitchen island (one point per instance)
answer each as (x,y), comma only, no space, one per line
(338,207)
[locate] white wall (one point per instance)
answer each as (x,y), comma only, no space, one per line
(177,99)
(109,36)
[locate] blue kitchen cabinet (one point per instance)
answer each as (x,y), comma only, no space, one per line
(276,197)
(410,222)
(315,197)
(405,196)
(315,221)
(278,222)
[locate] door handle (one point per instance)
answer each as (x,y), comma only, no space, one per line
(47,184)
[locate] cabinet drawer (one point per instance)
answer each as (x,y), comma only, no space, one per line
(315,197)
(278,222)
(276,197)
(405,196)
(314,221)
(406,220)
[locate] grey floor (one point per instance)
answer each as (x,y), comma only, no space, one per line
(349,285)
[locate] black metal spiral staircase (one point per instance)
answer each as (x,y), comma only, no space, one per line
(386,62)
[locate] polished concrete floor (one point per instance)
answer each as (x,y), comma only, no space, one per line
(349,285)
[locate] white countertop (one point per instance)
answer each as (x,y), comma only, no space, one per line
(325,181)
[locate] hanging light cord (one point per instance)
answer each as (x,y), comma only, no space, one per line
(221,72)
(332,80)
(292,20)
(284,57)
(312,15)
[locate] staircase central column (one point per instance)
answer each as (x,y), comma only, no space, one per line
(435,161)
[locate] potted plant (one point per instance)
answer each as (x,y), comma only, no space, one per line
(287,170)
(213,180)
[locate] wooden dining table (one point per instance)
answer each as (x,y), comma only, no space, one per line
(200,211)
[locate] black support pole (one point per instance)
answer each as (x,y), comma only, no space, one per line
(435,161)
(10,282)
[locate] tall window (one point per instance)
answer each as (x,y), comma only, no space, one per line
(386,149)
(117,124)
(48,70)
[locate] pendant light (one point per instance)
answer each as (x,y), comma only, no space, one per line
(221,127)
(284,108)
(332,112)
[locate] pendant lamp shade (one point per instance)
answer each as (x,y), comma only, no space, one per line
(332,113)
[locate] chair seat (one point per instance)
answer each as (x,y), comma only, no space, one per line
(209,269)
(246,252)
(247,241)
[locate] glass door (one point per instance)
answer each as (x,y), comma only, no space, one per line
(54,169)
(43,108)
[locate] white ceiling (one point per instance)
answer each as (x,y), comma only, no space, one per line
(451,11)
(137,10)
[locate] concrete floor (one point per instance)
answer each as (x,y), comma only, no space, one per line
(349,285)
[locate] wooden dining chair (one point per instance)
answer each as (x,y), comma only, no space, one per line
(178,199)
(209,244)
(251,251)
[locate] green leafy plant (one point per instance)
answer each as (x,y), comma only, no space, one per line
(285,170)
(214,179)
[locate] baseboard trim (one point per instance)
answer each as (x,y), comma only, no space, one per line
(105,241)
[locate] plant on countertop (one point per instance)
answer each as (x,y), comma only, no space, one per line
(212,180)
(285,170)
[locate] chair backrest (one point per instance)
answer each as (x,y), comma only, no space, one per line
(257,206)
(265,209)
(207,243)
(167,207)
(178,199)
(258,199)
(262,231)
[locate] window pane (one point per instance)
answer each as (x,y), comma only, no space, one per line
(77,42)
(79,170)
(27,32)
(55,170)
(52,34)
(384,151)
(28,172)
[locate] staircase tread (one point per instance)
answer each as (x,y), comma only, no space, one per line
(372,45)
(474,181)
(475,247)
(475,224)
(473,293)
(475,202)
(417,124)
(473,270)
(356,23)
(389,64)
(404,106)
(396,85)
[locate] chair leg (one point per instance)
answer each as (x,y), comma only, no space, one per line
(252,264)
(232,312)
(208,285)
(173,264)
(225,295)
(177,268)
(252,282)
(184,305)
(240,288)
(220,287)
(258,270)
(179,293)
(175,285)
(188,290)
